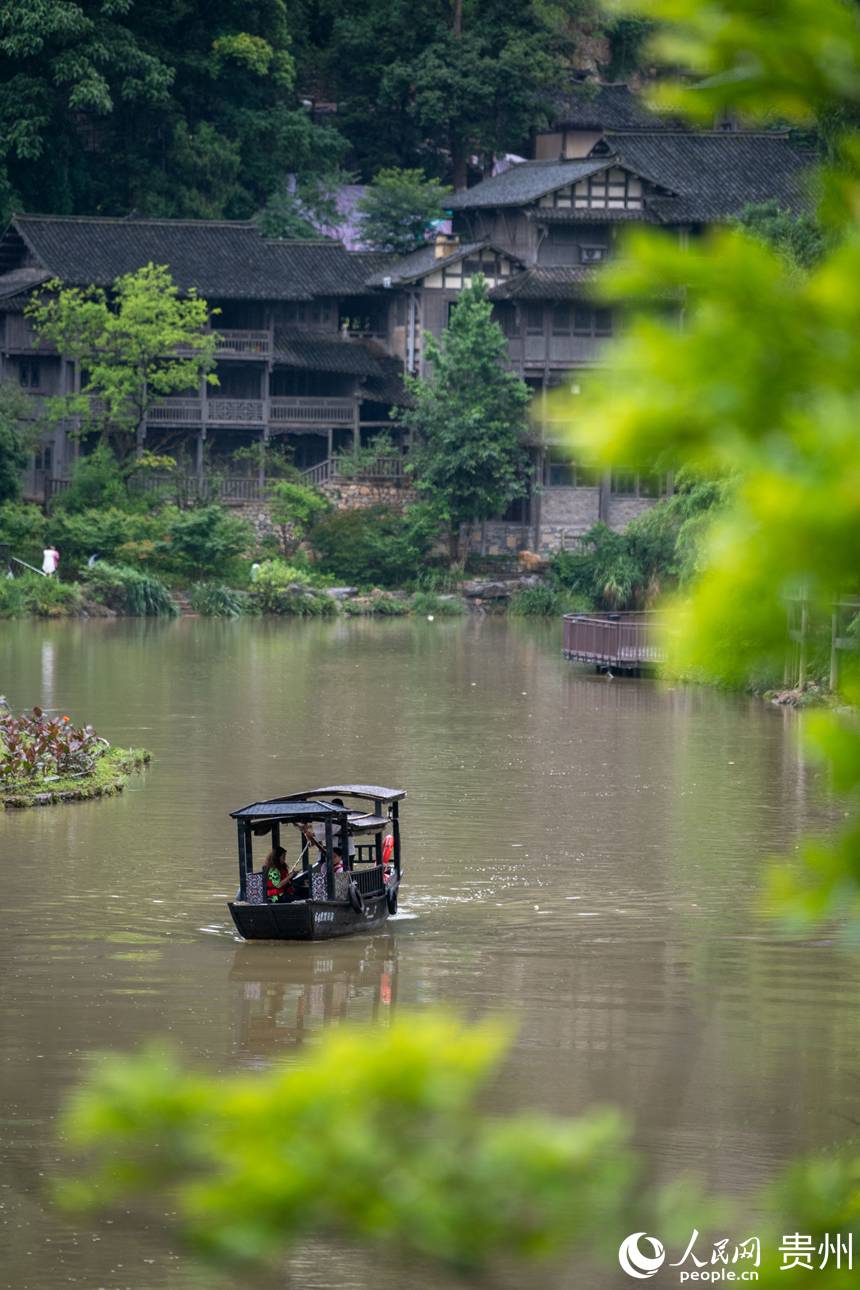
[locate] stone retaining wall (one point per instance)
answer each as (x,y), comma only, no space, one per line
(565,514)
(357,494)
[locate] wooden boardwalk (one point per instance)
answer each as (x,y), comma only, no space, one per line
(624,642)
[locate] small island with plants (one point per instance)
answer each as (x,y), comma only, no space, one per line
(45,759)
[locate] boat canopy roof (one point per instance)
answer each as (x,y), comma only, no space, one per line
(284,808)
(373,792)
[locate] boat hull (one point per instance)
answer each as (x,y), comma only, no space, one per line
(306,920)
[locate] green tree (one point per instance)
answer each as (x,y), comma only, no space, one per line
(167,109)
(469,417)
(798,237)
(761,383)
(398,209)
(764,381)
(444,78)
(294,509)
(137,345)
(307,210)
(19,434)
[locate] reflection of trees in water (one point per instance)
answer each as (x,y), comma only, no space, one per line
(284,998)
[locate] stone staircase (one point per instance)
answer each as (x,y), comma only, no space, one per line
(183,604)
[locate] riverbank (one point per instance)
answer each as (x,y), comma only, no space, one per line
(109,776)
(110,592)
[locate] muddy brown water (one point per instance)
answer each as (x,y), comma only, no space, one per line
(581,855)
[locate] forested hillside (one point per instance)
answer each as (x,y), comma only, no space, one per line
(186,108)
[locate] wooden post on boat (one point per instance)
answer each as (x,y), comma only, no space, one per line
(395,826)
(245,857)
(344,844)
(377,806)
(329,860)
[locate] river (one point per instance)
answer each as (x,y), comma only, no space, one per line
(582,855)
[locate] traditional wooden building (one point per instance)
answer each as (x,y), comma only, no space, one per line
(314,338)
(301,341)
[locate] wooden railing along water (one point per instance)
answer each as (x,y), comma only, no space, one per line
(625,641)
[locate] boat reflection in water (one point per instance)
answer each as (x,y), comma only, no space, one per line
(285,998)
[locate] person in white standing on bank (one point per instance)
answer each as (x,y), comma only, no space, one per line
(50,561)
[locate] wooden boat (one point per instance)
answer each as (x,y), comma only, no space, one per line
(326,903)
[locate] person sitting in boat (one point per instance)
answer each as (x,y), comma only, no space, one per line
(279,877)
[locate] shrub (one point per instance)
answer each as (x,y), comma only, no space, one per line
(22,529)
(215,600)
(294,509)
(129,591)
(544,601)
(375,545)
(207,540)
(105,532)
(281,588)
(657,550)
(427,602)
(31,593)
(378,604)
(33,746)
(96,482)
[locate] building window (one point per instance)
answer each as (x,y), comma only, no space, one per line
(29,374)
(647,483)
(561,320)
(560,472)
(603,322)
(592,322)
(43,457)
(534,320)
(583,321)
(506,316)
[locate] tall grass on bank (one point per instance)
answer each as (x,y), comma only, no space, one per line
(129,591)
(215,600)
(31,594)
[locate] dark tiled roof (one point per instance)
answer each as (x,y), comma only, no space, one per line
(550,283)
(421,262)
(525,183)
(387,386)
(715,174)
(709,175)
(324,268)
(323,353)
(223,260)
(589,106)
(20,281)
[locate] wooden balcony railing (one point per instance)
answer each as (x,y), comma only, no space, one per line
(283,412)
(310,411)
(382,470)
(208,488)
(249,344)
(243,343)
